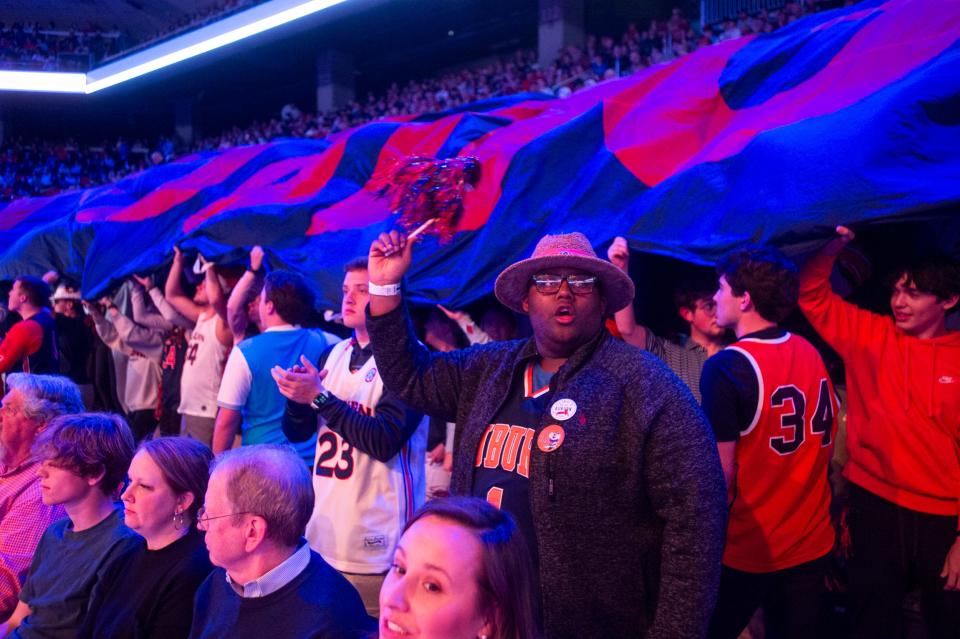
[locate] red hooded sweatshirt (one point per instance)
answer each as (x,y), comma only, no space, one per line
(903,399)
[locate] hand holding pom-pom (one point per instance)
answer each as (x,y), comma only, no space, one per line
(427,193)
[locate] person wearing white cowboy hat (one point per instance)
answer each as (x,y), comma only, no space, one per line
(64,292)
(75,339)
(599,452)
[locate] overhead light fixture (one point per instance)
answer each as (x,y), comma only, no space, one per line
(258,19)
(43,81)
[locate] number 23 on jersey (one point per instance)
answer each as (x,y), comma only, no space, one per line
(334,456)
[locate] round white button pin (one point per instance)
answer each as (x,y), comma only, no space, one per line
(563,409)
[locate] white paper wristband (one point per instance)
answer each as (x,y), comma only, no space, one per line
(386,290)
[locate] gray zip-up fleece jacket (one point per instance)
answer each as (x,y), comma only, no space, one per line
(629,512)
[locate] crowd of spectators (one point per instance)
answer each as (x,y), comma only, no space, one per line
(35,168)
(318,435)
(193,20)
(49,47)
(41,168)
(36,47)
(602,58)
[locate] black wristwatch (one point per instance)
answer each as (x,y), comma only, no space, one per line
(321,399)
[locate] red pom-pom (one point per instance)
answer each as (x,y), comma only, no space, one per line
(423,189)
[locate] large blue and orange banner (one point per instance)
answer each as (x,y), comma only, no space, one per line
(846,116)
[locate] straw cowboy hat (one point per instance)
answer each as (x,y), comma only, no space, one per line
(570,250)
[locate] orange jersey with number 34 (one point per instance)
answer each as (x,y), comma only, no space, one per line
(780,516)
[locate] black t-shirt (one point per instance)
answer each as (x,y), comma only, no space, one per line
(75,342)
(153,595)
(171,368)
(502,474)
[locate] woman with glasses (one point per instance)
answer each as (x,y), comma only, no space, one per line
(153,596)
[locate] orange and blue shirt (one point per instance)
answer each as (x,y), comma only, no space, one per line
(502,464)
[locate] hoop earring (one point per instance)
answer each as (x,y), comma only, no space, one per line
(179,521)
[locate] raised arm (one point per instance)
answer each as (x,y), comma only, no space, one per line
(430,382)
(148,341)
(389,260)
(174,289)
(105,329)
(843,325)
(167,311)
(218,301)
(475,335)
(251,280)
(138,303)
(633,333)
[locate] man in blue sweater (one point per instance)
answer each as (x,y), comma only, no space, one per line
(269,582)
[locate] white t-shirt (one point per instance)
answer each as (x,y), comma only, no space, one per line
(202,369)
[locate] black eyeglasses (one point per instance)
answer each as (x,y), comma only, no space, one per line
(549,284)
(203,518)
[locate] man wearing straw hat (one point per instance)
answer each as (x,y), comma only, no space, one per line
(598,451)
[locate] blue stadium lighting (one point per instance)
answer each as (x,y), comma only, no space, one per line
(219,34)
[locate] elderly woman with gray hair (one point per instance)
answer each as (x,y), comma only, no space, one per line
(30,403)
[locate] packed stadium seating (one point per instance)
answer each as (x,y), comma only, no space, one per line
(33,167)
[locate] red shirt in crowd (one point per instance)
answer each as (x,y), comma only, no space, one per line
(31,346)
(903,399)
(780,516)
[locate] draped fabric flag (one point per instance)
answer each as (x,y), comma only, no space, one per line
(846,116)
